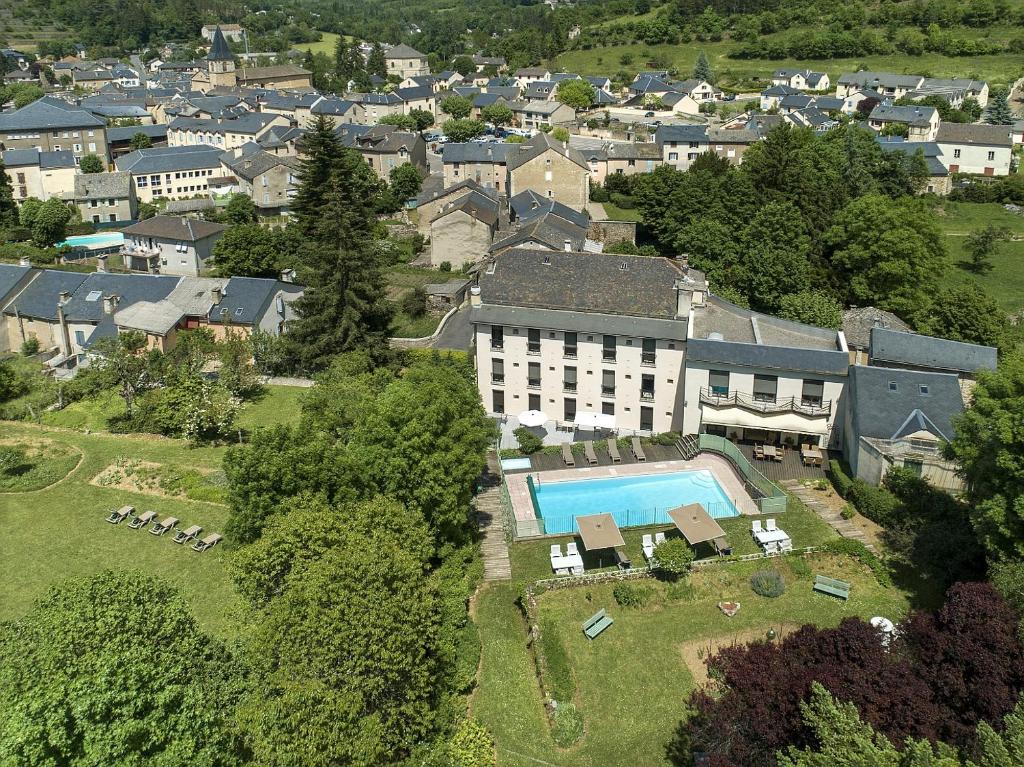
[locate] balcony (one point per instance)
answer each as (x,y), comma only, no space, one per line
(568,387)
(569,353)
(607,356)
(647,394)
(607,391)
(532,383)
(647,360)
(498,379)
(497,345)
(749,402)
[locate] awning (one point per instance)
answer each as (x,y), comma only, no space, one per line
(695,524)
(599,531)
(588,420)
(790,422)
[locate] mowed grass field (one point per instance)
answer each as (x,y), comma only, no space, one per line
(324,45)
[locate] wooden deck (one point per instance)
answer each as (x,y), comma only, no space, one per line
(654,453)
(791,467)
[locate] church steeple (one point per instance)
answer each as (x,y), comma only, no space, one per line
(221,63)
(219,50)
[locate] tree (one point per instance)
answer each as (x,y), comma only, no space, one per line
(251,250)
(73,691)
(29,208)
(674,557)
(456,106)
(140,141)
(967,313)
(464,65)
(462,130)
(375,62)
(319,149)
(402,122)
(11,385)
(774,256)
(989,448)
(560,134)
(240,210)
(8,208)
(999,112)
(422,119)
(578,94)
(982,244)
(405,181)
(90,163)
(50,222)
(499,113)
(702,69)
(812,307)
(126,363)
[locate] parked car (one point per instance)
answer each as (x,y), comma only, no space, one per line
(648,114)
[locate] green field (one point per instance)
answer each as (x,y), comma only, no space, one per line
(324,45)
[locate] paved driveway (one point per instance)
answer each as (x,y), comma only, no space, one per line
(457,333)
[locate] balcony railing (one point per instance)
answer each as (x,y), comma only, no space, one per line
(568,387)
(497,345)
(749,402)
(647,394)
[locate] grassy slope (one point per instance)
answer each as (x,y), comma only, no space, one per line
(324,45)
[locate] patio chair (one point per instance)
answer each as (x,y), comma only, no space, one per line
(567,455)
(577,570)
(638,450)
(647,544)
(142,520)
(759,452)
(755,527)
(188,534)
(613,451)
(159,528)
(786,545)
(208,542)
(770,525)
(571,550)
(588,451)
(119,515)
(659,538)
(556,550)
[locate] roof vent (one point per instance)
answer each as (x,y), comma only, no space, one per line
(491,267)
(715,336)
(547,261)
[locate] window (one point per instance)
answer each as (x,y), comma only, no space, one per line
(607,383)
(923,389)
(533,402)
(498,370)
(569,346)
(956,153)
(92,146)
(607,408)
(646,387)
(991,155)
(914,467)
(647,418)
(765,388)
(532,341)
(96,219)
(812,393)
(569,379)
(718,382)
(569,410)
(648,352)
(497,337)
(94,203)
(533,375)
(498,401)
(893,386)
(673,156)
(608,349)
(79,337)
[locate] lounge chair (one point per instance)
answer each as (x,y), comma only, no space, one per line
(186,535)
(588,451)
(638,451)
(159,528)
(647,544)
(786,545)
(613,451)
(567,454)
(659,538)
(755,527)
(142,520)
(571,550)
(556,550)
(119,515)
(770,525)
(208,542)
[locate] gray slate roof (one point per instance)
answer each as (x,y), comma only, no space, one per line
(250,123)
(981,135)
(175,228)
(893,347)
(819,361)
(14,158)
(86,304)
(911,115)
(47,114)
(881,412)
(476,151)
(403,51)
(681,133)
(11,276)
(858,322)
(529,204)
(246,299)
(155,132)
(39,300)
(169,159)
(112,185)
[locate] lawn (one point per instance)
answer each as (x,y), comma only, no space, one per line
(278,404)
(61,531)
(1005,283)
(326,44)
(615,213)
(632,681)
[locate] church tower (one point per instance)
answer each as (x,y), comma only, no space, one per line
(221,63)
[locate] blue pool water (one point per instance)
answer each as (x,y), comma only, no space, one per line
(632,501)
(101,240)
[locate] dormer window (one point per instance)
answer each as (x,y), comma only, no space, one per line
(893,386)
(923,388)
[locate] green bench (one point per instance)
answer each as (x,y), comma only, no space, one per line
(832,586)
(597,623)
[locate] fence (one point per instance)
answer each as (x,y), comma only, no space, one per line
(565,524)
(769,497)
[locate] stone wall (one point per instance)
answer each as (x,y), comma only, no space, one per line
(610,232)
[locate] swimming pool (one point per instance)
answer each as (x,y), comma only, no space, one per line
(632,501)
(99,240)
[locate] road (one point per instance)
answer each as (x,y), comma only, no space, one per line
(457,332)
(139,67)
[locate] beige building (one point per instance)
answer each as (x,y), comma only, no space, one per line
(105,197)
(52,125)
(462,232)
(920,123)
(223,133)
(434,197)
(384,147)
(40,174)
(172,173)
(170,245)
(404,61)
(550,168)
(268,179)
(279,77)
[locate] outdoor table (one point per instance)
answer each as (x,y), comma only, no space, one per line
(769,451)
(771,538)
(811,455)
(567,562)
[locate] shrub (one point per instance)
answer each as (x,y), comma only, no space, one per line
(767,583)
(528,441)
(851,548)
(623,201)
(674,557)
(840,481)
(599,194)
(801,567)
(557,670)
(848,512)
(467,657)
(13,460)
(445,266)
(414,303)
(875,503)
(631,595)
(30,346)
(568,725)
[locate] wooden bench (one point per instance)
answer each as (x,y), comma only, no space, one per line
(832,586)
(597,623)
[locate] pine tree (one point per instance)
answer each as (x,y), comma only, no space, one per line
(702,69)
(320,149)
(8,209)
(999,108)
(375,64)
(342,61)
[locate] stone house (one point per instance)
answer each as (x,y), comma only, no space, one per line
(982,149)
(922,123)
(385,147)
(52,125)
(550,168)
(40,174)
(463,230)
(105,197)
(404,61)
(170,245)
(268,179)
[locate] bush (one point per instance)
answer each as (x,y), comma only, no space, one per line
(599,194)
(768,583)
(875,503)
(852,548)
(30,346)
(445,266)
(623,201)
(801,567)
(568,725)
(13,460)
(631,595)
(848,512)
(674,557)
(414,303)
(528,441)
(558,677)
(467,657)
(840,481)
(18,234)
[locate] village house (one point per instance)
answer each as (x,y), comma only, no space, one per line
(550,168)
(535,114)
(268,179)
(174,173)
(527,75)
(404,61)
(222,133)
(170,245)
(920,123)
(681,144)
(985,150)
(463,230)
(801,79)
(40,174)
(485,163)
(105,197)
(52,125)
(385,147)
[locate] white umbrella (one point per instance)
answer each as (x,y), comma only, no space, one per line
(532,418)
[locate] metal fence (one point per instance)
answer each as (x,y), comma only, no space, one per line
(769,497)
(565,524)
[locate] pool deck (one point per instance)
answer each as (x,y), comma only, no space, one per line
(721,469)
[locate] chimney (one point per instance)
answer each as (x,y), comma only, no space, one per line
(287,275)
(110,303)
(101,263)
(24,261)
(683,299)
(474,296)
(567,245)
(216,293)
(65,296)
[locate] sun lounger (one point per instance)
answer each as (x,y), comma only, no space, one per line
(659,538)
(613,451)
(638,451)
(159,528)
(647,544)
(186,535)
(567,454)
(208,542)
(556,550)
(588,451)
(770,525)
(755,527)
(571,550)
(142,520)
(120,515)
